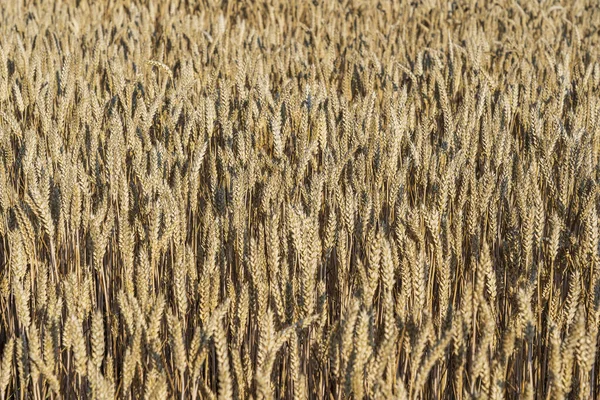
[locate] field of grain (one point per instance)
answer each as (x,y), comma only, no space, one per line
(271,199)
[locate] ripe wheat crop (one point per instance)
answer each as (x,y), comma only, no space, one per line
(326,199)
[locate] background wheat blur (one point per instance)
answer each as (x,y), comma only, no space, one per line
(290,199)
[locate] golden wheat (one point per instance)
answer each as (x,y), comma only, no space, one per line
(326,199)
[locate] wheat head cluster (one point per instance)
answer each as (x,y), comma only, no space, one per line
(328,199)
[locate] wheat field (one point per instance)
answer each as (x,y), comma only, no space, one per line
(272,199)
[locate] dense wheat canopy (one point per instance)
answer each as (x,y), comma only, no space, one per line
(299,200)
